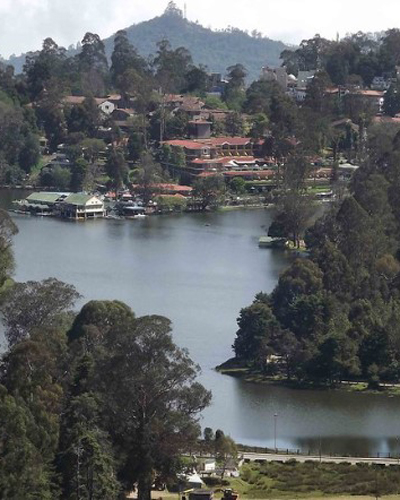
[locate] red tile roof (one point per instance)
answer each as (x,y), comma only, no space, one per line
(231,141)
(201,161)
(186,143)
(250,173)
(176,195)
(387,119)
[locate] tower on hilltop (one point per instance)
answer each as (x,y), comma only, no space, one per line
(173,10)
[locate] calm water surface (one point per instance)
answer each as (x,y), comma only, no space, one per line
(200,276)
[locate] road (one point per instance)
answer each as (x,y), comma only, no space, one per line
(283,457)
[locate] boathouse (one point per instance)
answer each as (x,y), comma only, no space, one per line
(81,206)
(41,203)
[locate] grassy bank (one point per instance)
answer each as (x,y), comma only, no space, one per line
(316,480)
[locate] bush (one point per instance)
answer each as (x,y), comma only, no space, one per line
(213,481)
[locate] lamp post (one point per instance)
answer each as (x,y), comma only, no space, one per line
(275,424)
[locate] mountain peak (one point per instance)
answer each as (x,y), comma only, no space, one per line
(173,10)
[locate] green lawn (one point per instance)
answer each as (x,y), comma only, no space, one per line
(313,480)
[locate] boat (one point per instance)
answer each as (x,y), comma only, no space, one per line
(268,242)
(113,217)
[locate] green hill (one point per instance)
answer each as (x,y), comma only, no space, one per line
(215,49)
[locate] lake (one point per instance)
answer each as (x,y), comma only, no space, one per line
(200,270)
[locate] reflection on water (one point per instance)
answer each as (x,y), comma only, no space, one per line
(200,276)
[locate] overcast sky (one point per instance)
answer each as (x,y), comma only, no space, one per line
(25,23)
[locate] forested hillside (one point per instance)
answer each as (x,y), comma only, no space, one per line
(216,50)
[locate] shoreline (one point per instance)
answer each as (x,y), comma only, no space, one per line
(234,369)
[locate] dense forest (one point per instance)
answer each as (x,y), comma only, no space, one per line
(334,315)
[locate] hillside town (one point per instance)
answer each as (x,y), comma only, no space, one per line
(220,142)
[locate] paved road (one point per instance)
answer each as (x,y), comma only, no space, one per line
(280,457)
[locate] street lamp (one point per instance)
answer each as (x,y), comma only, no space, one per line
(275,424)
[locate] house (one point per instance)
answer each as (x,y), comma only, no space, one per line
(81,206)
(304,78)
(393,120)
(214,154)
(193,149)
(374,97)
(105,105)
(167,189)
(208,465)
(122,114)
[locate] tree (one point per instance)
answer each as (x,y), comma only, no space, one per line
(391,103)
(84,117)
(196,80)
(208,435)
(116,168)
(171,67)
(234,124)
(22,474)
(7,230)
(259,126)
(11,132)
(209,191)
(86,460)
(58,177)
(294,212)
(147,175)
(238,185)
(44,67)
(258,96)
(96,322)
(226,451)
(258,329)
(30,152)
(93,65)
(336,359)
(124,60)
(356,233)
(35,304)
(152,400)
(302,278)
(234,94)
(51,118)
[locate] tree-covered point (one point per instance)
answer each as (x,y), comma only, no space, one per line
(334,316)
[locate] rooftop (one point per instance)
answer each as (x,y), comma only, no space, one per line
(45,197)
(78,198)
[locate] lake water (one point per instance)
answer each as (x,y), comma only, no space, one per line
(199,270)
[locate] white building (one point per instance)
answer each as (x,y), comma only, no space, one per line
(81,206)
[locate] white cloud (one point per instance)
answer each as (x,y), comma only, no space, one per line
(25,23)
